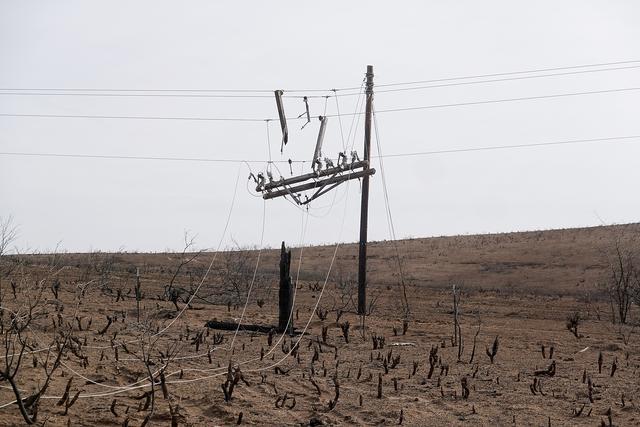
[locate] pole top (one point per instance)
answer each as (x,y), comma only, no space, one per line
(369,75)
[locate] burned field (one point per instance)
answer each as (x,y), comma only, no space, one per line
(527,338)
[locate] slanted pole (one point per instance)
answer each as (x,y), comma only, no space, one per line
(364,205)
(286,292)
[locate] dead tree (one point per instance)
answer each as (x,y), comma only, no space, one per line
(378,341)
(624,280)
(494,350)
(332,403)
(237,274)
(433,360)
(548,372)
(17,341)
(186,257)
(138,294)
(573,321)
(234,376)
(155,356)
(475,338)
(600,360)
(614,366)
(345,331)
(465,387)
(457,331)
(8,234)
(66,400)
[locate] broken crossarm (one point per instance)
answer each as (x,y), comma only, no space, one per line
(318,151)
(283,119)
(318,184)
(305,177)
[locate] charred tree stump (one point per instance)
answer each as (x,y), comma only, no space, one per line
(286,292)
(285,295)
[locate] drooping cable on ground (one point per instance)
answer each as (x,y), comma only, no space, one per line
(302,239)
(215,255)
(122,389)
(134,387)
(193,294)
(381,156)
(275,345)
(290,318)
(318,299)
(295,287)
(204,354)
(204,277)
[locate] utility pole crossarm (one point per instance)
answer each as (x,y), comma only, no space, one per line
(296,179)
(336,179)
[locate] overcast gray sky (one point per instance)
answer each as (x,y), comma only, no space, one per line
(91,204)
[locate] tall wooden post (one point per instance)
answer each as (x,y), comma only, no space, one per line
(364,203)
(286,291)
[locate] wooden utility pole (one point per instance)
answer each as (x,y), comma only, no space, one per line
(364,204)
(322,180)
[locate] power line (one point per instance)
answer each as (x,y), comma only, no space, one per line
(110,94)
(509,147)
(392,229)
(270,91)
(494,101)
(154,95)
(221,91)
(85,116)
(256,119)
(502,79)
(164,93)
(397,155)
(538,70)
(122,157)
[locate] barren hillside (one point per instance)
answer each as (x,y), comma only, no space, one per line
(519,287)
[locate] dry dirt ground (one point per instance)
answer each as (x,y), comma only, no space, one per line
(518,287)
